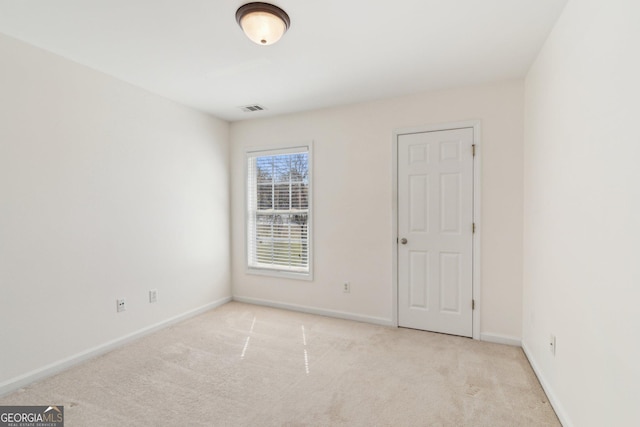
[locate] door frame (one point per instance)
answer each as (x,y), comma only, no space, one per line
(476,265)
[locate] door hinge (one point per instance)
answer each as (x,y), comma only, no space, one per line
(473,227)
(473,150)
(473,304)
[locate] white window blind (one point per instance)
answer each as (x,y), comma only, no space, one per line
(278,210)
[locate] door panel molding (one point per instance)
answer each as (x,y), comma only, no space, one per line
(477,173)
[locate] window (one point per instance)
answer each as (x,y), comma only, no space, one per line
(278,213)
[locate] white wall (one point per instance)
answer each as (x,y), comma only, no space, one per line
(581,214)
(106,191)
(353,201)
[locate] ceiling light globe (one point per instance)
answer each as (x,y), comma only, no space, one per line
(263,23)
(263,28)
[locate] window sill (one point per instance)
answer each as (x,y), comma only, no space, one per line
(279,273)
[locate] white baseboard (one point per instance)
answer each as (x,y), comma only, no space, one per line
(313,310)
(61,365)
(501,339)
(555,403)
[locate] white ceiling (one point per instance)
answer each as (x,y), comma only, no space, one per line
(336,51)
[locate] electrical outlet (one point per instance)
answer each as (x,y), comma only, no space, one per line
(120,305)
(153,295)
(552,344)
(346,287)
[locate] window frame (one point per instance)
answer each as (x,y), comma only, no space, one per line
(272,150)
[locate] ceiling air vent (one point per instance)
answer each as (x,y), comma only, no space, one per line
(252,108)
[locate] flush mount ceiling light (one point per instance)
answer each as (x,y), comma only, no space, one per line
(263,23)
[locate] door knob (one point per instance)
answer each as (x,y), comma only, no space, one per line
(403,241)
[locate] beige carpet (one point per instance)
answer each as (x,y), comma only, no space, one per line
(243,365)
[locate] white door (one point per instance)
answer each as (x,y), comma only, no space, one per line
(435,231)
